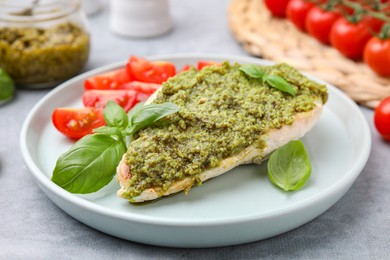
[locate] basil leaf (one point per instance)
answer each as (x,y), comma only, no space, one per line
(134,110)
(279,83)
(272,80)
(289,167)
(7,86)
(252,70)
(108,130)
(89,165)
(115,115)
(149,114)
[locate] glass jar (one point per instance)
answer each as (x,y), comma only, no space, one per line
(42,43)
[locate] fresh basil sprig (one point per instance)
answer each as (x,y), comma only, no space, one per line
(91,162)
(89,165)
(289,167)
(274,81)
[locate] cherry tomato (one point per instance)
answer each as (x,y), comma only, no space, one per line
(99,98)
(109,80)
(349,38)
(144,90)
(277,7)
(377,55)
(297,11)
(185,68)
(319,23)
(141,87)
(382,118)
(373,24)
(152,72)
(202,63)
(77,122)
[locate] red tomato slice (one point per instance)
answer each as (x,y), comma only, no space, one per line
(185,68)
(77,122)
(152,72)
(144,90)
(201,64)
(141,87)
(99,98)
(109,80)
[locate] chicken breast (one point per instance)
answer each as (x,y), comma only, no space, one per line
(284,127)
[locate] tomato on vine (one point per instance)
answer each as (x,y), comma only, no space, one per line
(377,52)
(319,22)
(373,24)
(382,118)
(349,38)
(277,7)
(297,11)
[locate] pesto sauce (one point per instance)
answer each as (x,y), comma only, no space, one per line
(32,55)
(222,111)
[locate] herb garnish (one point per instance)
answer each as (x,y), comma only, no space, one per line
(91,162)
(7,87)
(274,81)
(289,166)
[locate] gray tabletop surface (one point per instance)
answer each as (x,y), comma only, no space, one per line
(32,227)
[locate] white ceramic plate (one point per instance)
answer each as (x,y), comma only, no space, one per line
(237,207)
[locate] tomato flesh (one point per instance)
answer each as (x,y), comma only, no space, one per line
(99,98)
(202,64)
(109,80)
(382,118)
(141,87)
(185,68)
(77,122)
(151,72)
(143,90)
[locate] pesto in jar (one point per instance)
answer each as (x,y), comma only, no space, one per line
(33,56)
(222,112)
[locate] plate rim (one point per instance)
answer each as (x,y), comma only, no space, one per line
(40,176)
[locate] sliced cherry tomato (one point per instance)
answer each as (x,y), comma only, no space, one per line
(109,80)
(141,87)
(152,72)
(277,7)
(202,63)
(185,67)
(349,38)
(77,122)
(144,90)
(377,55)
(382,118)
(319,23)
(99,98)
(297,11)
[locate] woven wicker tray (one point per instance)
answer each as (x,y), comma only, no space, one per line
(277,39)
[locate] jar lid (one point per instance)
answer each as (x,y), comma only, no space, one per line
(24,11)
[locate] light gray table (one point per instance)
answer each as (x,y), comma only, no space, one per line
(31,226)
